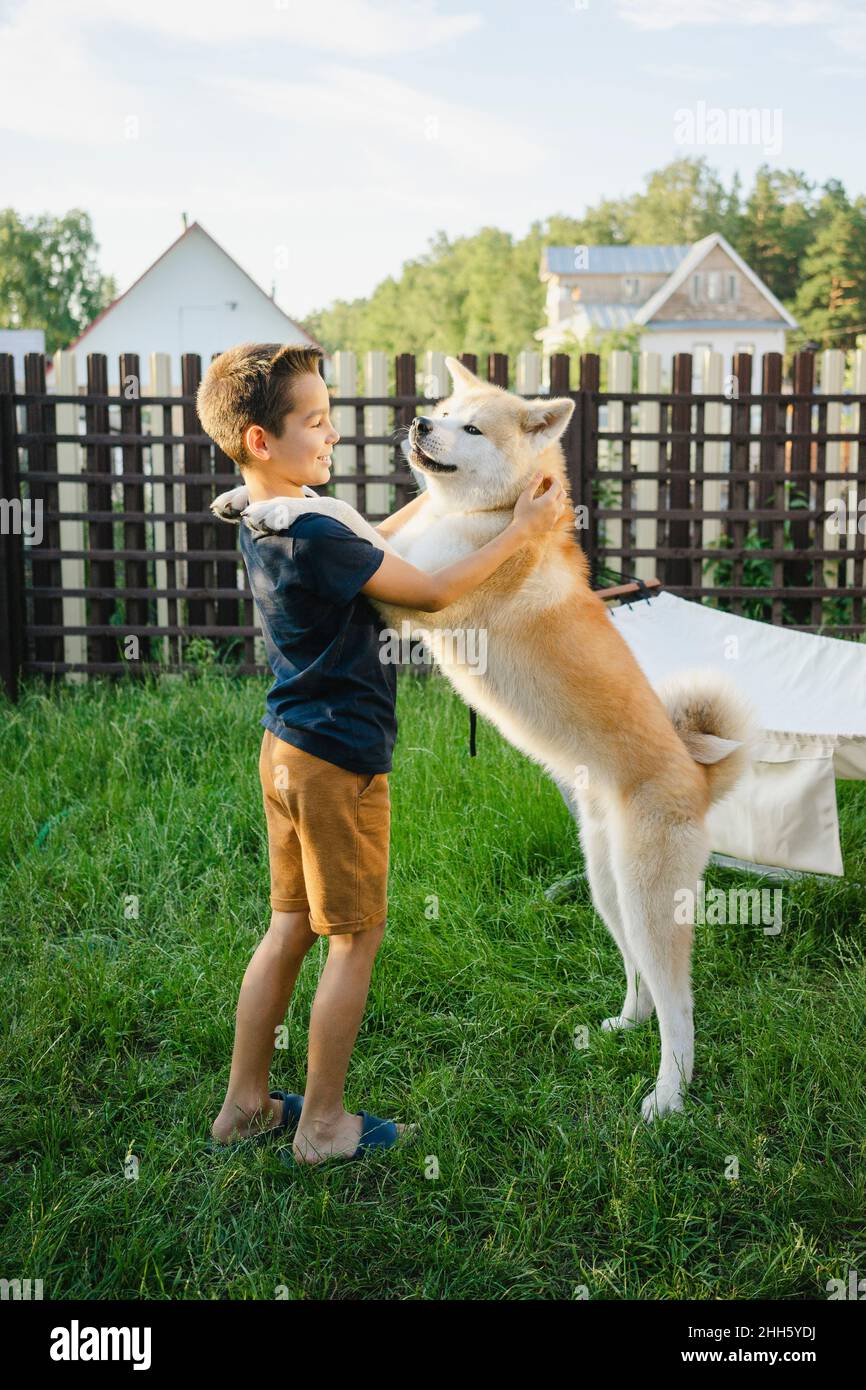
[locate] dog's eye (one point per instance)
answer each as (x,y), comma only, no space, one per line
(470,429)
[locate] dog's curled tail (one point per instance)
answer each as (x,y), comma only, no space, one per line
(715,722)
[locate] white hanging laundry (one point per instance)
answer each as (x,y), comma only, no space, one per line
(810,695)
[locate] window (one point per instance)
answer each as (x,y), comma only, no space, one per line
(733,287)
(696,288)
(630,288)
(714,286)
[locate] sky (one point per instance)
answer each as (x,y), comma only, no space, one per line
(323,144)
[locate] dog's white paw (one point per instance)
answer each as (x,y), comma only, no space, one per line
(229,505)
(277,514)
(613,1025)
(660,1101)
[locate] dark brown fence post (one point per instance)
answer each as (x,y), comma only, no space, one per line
(101,647)
(12,603)
(738,487)
(404,385)
(590,380)
(772,454)
(196,459)
(678,570)
(225,541)
(857,542)
(497,369)
(225,538)
(560,374)
(42,458)
(798,569)
(771,490)
(571,441)
(134,530)
(560,385)
(470,360)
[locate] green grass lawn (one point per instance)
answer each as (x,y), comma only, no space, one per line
(118,1035)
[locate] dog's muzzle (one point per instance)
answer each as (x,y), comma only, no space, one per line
(418,431)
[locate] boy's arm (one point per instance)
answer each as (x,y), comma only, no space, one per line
(396,581)
(399,518)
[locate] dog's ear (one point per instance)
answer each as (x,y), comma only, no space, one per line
(544,421)
(461,376)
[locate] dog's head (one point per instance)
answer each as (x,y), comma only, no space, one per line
(482,444)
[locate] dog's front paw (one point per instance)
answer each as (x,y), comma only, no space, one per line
(277,514)
(613,1025)
(229,505)
(661,1101)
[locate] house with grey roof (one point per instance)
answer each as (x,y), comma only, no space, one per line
(689,298)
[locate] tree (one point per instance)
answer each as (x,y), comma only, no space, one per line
(683,202)
(482,293)
(831,300)
(49,277)
(778,225)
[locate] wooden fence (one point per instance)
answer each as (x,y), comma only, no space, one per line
(111,562)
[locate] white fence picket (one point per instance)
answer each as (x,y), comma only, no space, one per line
(610,452)
(528,379)
(377,457)
(858,386)
(832,380)
(343,416)
(435,378)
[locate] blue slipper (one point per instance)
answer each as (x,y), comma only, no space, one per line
(375,1134)
(293,1104)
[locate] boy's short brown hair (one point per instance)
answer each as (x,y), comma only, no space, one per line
(251,384)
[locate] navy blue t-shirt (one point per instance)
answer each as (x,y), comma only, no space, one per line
(331,695)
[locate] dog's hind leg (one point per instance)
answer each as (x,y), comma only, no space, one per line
(595,842)
(657,867)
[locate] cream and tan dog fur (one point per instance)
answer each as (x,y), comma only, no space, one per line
(640,768)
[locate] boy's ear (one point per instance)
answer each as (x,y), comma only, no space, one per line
(246,445)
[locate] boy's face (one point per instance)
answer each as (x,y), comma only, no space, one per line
(302,453)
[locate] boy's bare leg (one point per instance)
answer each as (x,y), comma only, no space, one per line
(325,1128)
(264,997)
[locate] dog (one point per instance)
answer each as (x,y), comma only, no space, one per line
(640,767)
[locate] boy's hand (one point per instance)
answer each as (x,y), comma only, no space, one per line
(535,515)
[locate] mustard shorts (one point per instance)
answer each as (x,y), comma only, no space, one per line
(329,834)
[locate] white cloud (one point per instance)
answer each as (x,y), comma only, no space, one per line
(365,28)
(842,22)
(684,72)
(670,14)
(50,89)
(53,85)
(352,102)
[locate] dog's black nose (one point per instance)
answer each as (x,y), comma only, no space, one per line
(423,425)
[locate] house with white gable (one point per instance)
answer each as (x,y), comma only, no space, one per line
(680,298)
(193,298)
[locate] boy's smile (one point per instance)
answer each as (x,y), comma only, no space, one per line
(302,453)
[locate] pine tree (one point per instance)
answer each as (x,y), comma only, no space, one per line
(831,300)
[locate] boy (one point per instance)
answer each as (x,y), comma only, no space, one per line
(330,729)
